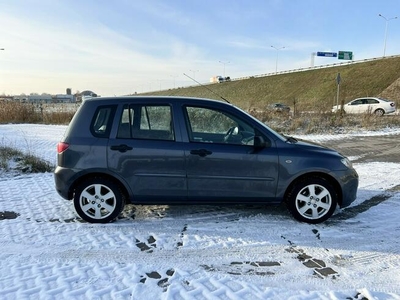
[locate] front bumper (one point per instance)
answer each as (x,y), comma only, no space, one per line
(349,184)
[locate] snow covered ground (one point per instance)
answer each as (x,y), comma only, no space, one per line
(194,252)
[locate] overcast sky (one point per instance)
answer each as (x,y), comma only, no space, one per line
(125,46)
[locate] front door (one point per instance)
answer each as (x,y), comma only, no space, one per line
(222,163)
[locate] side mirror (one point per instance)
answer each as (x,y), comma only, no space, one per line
(260,143)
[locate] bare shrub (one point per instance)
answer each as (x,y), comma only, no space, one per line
(25,163)
(35,164)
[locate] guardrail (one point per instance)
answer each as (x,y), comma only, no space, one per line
(315,67)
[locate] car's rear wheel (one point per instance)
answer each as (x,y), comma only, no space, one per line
(98,200)
(379,112)
(312,200)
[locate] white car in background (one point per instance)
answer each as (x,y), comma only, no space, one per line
(373,105)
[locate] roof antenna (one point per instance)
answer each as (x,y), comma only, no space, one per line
(206,87)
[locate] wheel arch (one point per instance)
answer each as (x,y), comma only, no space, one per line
(101,175)
(379,111)
(325,176)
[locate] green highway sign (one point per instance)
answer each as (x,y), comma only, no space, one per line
(345,55)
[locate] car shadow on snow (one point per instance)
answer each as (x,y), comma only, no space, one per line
(353,211)
(224,213)
(218,213)
(235,212)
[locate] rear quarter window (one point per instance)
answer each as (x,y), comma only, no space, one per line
(102,121)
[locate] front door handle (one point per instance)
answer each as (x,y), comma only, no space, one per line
(201,152)
(121,148)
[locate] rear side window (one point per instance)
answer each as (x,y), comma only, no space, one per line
(372,101)
(102,120)
(151,122)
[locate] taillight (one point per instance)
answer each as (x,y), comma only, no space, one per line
(392,104)
(61,147)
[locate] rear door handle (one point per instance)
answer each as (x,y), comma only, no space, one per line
(201,152)
(121,148)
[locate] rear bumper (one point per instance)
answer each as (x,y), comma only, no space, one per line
(62,179)
(391,110)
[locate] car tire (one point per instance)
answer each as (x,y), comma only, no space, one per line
(312,200)
(98,200)
(379,112)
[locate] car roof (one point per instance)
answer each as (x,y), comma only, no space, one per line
(158,99)
(377,98)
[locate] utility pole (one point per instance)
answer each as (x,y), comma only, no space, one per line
(338,80)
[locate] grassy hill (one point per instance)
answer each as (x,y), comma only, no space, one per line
(309,90)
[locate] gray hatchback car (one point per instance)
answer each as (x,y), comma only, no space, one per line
(175,150)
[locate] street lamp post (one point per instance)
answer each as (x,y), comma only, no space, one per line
(224,63)
(386,27)
(277,52)
(194,73)
(174,76)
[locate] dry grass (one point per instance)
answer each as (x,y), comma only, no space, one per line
(325,123)
(16,112)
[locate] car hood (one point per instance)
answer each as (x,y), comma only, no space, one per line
(308,144)
(313,146)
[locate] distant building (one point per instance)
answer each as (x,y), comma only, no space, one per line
(21,98)
(59,98)
(47,98)
(39,98)
(64,98)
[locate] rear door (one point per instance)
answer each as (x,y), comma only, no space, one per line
(373,105)
(146,154)
(221,162)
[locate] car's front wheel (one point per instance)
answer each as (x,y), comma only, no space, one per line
(98,200)
(312,200)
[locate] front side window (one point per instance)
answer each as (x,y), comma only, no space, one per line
(152,122)
(357,102)
(207,125)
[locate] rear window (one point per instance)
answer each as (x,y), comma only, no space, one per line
(102,120)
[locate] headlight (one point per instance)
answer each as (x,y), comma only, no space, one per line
(347,162)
